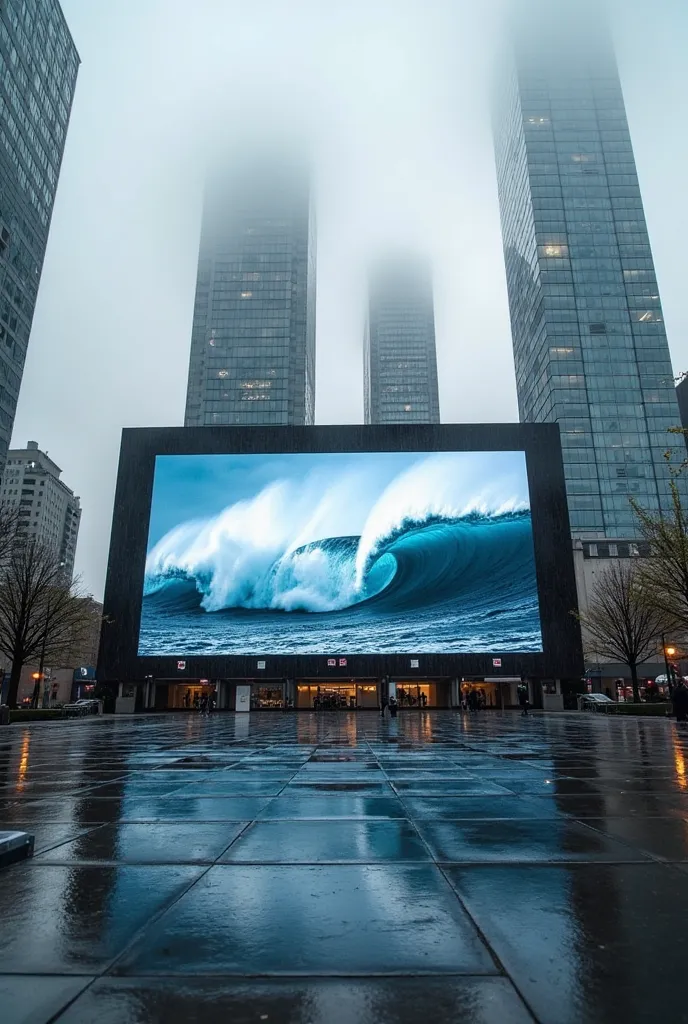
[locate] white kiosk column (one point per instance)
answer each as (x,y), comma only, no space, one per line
(243,697)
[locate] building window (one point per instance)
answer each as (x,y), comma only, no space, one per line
(553,250)
(598,328)
(592,550)
(613,551)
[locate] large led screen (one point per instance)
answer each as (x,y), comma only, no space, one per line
(358,553)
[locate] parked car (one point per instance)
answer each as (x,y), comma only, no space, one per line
(83,706)
(90,703)
(594,702)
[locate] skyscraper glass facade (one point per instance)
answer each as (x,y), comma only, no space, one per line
(253,340)
(589,339)
(400,364)
(38,71)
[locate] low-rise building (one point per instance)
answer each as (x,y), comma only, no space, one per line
(48,509)
(591,560)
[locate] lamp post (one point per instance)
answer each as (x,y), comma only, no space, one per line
(36,676)
(667,651)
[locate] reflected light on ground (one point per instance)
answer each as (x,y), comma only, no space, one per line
(23,760)
(679,763)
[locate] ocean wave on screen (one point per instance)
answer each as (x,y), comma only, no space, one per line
(428,536)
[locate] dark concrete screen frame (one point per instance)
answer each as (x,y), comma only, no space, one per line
(436,550)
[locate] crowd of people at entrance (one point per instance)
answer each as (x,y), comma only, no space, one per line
(407,699)
(203,703)
(333,700)
(473,700)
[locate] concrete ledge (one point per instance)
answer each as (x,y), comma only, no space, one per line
(15,846)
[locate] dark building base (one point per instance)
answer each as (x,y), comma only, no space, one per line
(366,694)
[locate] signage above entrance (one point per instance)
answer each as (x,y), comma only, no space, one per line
(260,664)
(331,662)
(496,662)
(181,665)
(342,662)
(415,663)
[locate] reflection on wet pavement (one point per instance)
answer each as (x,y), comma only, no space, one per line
(336,868)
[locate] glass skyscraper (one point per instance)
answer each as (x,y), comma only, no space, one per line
(38,71)
(400,364)
(253,339)
(589,340)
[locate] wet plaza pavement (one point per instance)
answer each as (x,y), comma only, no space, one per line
(337,868)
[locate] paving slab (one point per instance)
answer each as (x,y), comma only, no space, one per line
(34,1000)
(59,919)
(517,841)
(315,920)
(590,966)
(317,842)
(150,843)
(299,1001)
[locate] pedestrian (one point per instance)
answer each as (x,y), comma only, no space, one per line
(383,704)
(210,707)
(680,702)
(523,699)
(472,700)
(393,706)
(187,699)
(203,707)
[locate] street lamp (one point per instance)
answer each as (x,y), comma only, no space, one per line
(669,652)
(36,676)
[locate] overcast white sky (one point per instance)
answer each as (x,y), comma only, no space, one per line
(396,95)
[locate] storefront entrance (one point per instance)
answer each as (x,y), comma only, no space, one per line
(188,696)
(417,695)
(348,696)
(479,695)
(269,698)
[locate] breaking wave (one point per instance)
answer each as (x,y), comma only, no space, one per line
(272,552)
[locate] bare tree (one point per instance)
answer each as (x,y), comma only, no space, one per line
(665,574)
(622,621)
(9,523)
(41,614)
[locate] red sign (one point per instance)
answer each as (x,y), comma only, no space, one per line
(181,665)
(342,662)
(496,662)
(331,662)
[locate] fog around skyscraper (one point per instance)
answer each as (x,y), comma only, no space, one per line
(395,96)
